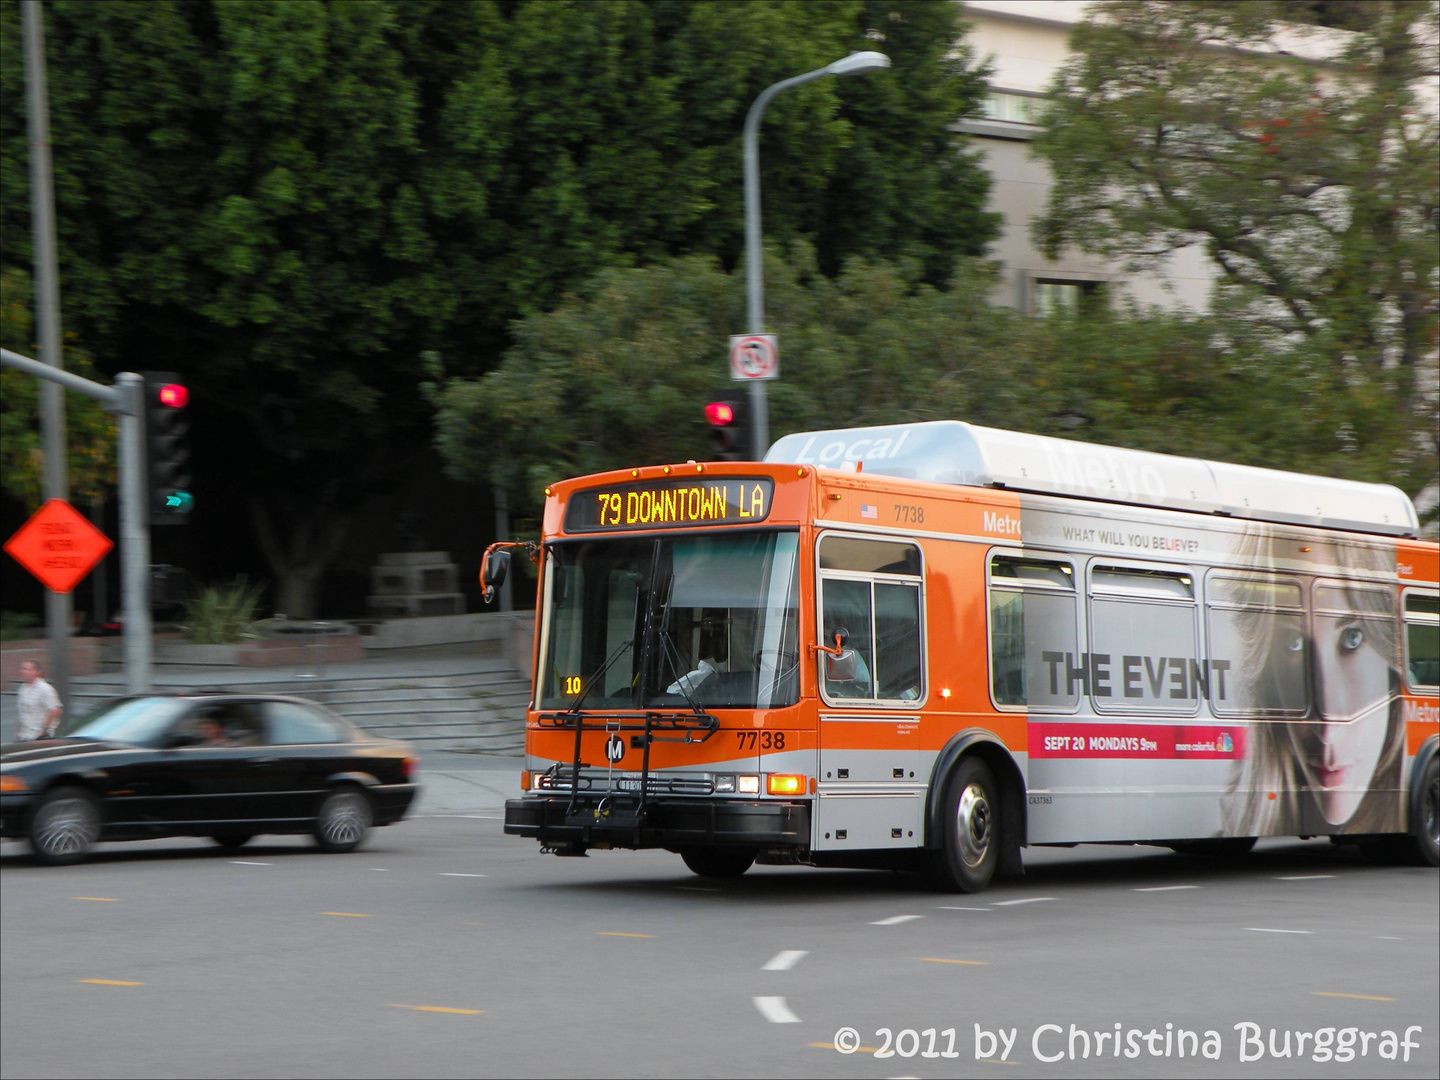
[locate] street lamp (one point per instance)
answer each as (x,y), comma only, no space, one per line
(854,64)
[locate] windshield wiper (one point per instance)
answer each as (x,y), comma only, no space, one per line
(671,653)
(599,674)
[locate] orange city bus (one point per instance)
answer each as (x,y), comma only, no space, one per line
(931,645)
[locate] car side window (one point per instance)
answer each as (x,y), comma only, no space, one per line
(218,724)
(288,723)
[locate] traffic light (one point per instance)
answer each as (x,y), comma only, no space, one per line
(167,448)
(729,417)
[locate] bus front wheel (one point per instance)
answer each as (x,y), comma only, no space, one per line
(970,848)
(718,862)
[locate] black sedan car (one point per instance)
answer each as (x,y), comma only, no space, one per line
(227,766)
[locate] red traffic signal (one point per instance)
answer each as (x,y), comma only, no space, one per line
(728,416)
(174,395)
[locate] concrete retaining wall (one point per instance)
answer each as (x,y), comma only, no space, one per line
(84,656)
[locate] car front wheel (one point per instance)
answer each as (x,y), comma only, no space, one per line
(65,826)
(344,819)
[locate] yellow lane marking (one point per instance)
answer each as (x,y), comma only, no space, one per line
(110,982)
(858,1049)
(610,933)
(938,960)
(439,1009)
(345,914)
(100,899)
(1357,997)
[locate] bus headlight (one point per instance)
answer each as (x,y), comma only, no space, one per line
(724,784)
(748,785)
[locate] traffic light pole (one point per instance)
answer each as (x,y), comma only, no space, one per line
(134,534)
(127,400)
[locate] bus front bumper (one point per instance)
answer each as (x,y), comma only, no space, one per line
(665,823)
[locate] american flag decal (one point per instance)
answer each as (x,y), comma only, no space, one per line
(868,511)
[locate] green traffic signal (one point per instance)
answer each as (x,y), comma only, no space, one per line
(179,502)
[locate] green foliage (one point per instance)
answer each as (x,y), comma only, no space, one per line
(223,614)
(1311,186)
(18,625)
(616,375)
(288,202)
(90,430)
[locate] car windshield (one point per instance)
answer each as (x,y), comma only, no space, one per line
(659,622)
(140,720)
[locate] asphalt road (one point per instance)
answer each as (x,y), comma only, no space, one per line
(444,948)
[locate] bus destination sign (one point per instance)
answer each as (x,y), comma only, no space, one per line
(670,504)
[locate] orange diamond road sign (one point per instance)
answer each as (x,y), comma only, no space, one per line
(58,546)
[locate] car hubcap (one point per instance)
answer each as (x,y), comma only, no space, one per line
(66,827)
(346,818)
(973,825)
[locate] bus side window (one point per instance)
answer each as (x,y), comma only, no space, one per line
(1259,649)
(871,589)
(1144,641)
(1033,633)
(1422,642)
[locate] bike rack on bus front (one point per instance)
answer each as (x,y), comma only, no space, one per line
(647,722)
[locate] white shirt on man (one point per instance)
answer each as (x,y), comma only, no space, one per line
(36,700)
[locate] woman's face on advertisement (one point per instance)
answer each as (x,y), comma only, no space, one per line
(1352,686)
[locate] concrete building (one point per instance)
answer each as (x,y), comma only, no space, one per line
(1026,42)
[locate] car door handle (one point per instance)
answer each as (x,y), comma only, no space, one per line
(265,760)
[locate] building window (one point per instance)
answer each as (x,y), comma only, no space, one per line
(1049,296)
(1011,108)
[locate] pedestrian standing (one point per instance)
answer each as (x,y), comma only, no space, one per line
(40,706)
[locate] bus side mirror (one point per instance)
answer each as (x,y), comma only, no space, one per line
(840,668)
(497,565)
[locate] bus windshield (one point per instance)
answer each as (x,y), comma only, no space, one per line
(661,622)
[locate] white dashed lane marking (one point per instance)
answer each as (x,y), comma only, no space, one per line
(1165,888)
(943,908)
(1027,900)
(775,1010)
(237,862)
(462,875)
(895,920)
(1305,877)
(1269,930)
(784,961)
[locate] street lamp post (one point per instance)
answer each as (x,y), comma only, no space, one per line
(854,64)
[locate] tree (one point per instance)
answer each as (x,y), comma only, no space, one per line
(90,430)
(1304,159)
(290,202)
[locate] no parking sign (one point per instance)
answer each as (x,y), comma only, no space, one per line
(754,356)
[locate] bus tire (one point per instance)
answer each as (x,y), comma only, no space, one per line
(1421,846)
(718,862)
(1425,816)
(970,847)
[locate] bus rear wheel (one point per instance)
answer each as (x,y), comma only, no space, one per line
(1421,847)
(970,847)
(718,862)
